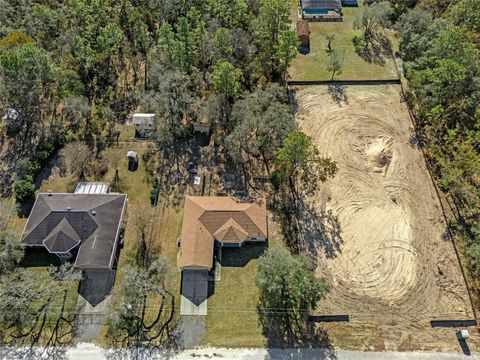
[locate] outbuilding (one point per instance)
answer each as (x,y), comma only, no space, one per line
(145,125)
(132,157)
(303,32)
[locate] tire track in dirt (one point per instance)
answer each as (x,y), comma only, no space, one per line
(394,260)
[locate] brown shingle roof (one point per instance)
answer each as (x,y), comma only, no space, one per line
(302,28)
(222,218)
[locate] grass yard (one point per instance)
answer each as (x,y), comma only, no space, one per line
(167,227)
(232,319)
(71,287)
(313,66)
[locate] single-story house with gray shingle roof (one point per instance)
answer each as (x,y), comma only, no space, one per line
(83,225)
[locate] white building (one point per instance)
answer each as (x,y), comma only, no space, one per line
(145,125)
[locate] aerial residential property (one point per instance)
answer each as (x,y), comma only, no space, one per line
(85,227)
(211,223)
(239,179)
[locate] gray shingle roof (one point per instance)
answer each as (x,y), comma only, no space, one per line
(59,221)
(62,238)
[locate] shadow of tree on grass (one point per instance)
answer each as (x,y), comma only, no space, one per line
(309,231)
(375,51)
(284,331)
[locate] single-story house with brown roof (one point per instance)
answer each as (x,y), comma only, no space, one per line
(86,226)
(221,221)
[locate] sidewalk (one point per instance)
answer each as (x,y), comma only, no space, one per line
(91,352)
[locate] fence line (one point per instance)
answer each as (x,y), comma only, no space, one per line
(413,120)
(343,82)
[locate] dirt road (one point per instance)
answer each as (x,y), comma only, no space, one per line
(392,263)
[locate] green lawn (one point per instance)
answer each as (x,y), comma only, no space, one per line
(313,66)
(232,319)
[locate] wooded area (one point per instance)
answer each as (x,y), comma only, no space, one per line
(72,72)
(440,43)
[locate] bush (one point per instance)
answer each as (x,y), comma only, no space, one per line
(154,192)
(24,190)
(28,168)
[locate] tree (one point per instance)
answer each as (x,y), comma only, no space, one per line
(370,19)
(286,50)
(298,163)
(36,315)
(466,13)
(77,158)
(24,189)
(230,13)
(270,23)
(11,251)
(14,39)
(335,63)
(288,291)
(330,38)
(172,98)
(29,77)
(415,28)
(226,79)
(262,121)
(130,324)
(95,39)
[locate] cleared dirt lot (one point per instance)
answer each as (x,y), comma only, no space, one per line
(391,266)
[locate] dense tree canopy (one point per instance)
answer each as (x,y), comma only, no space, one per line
(288,291)
(82,67)
(440,47)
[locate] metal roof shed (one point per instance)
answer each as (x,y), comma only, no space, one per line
(144,124)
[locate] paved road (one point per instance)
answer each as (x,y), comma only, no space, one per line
(91,352)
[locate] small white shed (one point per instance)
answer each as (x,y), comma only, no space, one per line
(145,125)
(12,119)
(132,157)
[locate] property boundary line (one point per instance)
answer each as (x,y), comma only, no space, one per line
(413,120)
(343,82)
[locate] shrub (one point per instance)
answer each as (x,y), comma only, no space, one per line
(24,189)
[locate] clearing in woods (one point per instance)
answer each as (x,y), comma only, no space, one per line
(390,265)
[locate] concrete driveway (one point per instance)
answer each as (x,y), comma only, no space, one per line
(194,292)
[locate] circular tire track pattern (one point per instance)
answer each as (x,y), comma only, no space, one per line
(394,265)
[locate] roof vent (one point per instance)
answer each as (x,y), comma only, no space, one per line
(69,208)
(94,212)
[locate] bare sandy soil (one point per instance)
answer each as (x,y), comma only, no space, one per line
(390,264)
